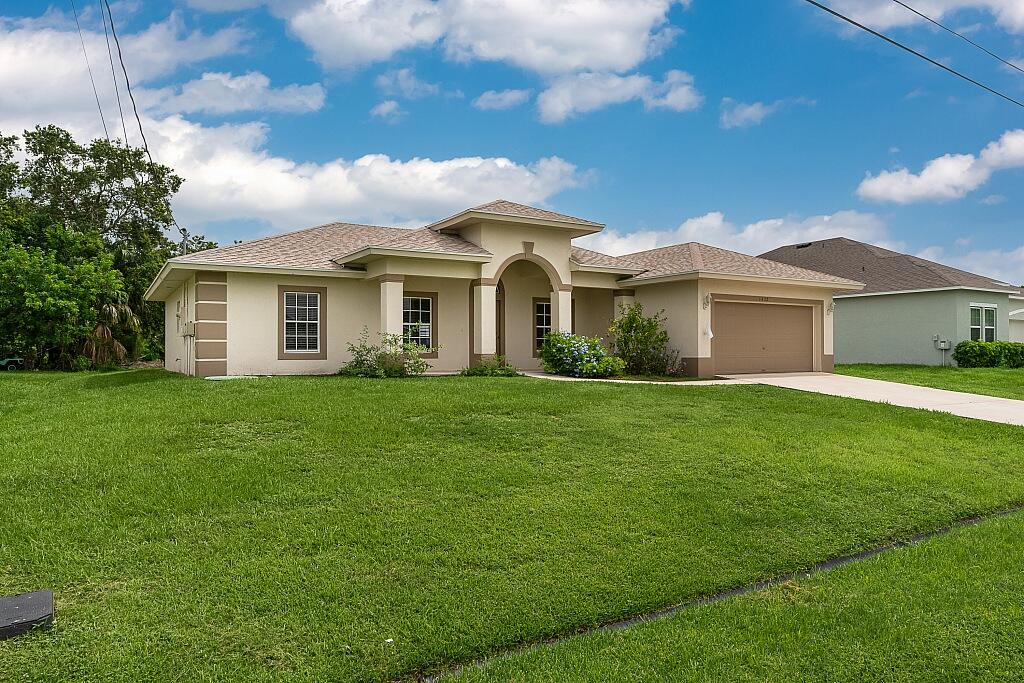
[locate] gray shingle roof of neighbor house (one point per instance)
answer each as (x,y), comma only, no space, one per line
(690,257)
(882,270)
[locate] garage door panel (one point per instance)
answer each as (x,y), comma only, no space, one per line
(752,338)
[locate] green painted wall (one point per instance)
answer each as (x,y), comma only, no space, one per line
(901,328)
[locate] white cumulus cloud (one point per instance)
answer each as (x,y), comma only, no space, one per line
(736,114)
(501,99)
(887,14)
(754,238)
(222,93)
(580,93)
(952,176)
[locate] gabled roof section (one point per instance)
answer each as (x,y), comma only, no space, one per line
(503,207)
(312,248)
(504,210)
(421,242)
(596,260)
(696,258)
(882,270)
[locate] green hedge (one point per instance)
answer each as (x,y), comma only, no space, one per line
(999,354)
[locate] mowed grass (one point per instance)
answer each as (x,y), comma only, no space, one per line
(1002,382)
(330,528)
(949,609)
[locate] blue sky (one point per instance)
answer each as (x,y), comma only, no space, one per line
(737,123)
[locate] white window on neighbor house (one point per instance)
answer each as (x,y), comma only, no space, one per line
(301,322)
(418,320)
(541,322)
(983,323)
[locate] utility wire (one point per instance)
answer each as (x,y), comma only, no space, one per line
(959,35)
(113,72)
(915,52)
(95,93)
(128,83)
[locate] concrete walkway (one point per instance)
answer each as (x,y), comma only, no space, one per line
(989,408)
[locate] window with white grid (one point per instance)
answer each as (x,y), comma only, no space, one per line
(418,320)
(983,323)
(301,322)
(541,322)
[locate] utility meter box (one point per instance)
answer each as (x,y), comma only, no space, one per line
(944,345)
(190,330)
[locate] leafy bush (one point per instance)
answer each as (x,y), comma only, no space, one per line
(642,342)
(491,367)
(393,357)
(575,356)
(979,354)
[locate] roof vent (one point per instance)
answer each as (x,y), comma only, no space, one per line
(803,246)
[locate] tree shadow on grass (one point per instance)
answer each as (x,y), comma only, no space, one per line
(123,378)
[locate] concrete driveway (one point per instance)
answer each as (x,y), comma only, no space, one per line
(989,408)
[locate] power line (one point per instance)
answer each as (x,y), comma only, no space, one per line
(959,35)
(88,66)
(113,72)
(127,82)
(915,52)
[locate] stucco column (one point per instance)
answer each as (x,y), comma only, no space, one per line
(392,289)
(561,310)
(623,298)
(485,320)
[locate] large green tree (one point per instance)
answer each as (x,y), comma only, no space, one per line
(82,228)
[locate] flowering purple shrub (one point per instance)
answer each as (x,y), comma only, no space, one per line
(575,356)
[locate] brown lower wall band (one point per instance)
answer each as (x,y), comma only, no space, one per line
(211,368)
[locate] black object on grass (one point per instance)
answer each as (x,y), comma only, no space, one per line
(21,613)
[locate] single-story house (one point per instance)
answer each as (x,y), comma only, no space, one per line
(491,280)
(911,310)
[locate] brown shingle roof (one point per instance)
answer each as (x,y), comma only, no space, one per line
(692,256)
(425,238)
(309,248)
(882,270)
(504,207)
(586,257)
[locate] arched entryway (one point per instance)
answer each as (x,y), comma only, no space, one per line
(524,312)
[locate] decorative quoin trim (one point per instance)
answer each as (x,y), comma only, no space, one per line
(211,328)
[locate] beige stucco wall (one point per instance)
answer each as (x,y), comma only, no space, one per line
(179,309)
(253,322)
(351,305)
(594,310)
(504,241)
(452,323)
(680,303)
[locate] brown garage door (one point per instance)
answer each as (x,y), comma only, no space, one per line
(762,338)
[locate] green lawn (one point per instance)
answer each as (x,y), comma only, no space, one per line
(947,610)
(330,528)
(1002,382)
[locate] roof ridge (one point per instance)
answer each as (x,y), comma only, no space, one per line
(696,256)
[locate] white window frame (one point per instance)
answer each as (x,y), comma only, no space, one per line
(538,316)
(308,321)
(984,327)
(409,325)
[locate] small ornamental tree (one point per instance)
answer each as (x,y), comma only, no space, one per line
(642,342)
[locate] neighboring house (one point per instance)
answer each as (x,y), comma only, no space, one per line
(910,308)
(1017,323)
(490,280)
